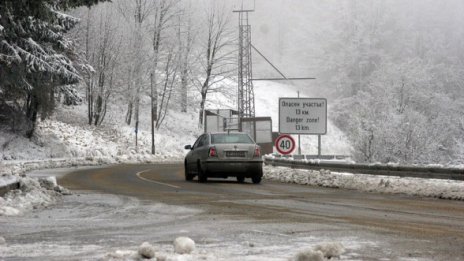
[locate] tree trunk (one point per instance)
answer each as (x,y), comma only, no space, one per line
(202,108)
(31,114)
(129,113)
(183,82)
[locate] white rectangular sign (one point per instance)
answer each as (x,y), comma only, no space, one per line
(303,116)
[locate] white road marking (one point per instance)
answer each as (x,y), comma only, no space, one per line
(152,181)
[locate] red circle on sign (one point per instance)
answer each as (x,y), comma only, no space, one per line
(285,144)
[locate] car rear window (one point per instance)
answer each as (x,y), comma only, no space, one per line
(231,138)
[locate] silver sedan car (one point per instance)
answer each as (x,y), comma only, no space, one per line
(223,155)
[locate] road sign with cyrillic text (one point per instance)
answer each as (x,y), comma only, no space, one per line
(303,116)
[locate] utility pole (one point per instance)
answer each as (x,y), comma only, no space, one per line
(299,141)
(152,97)
(246,96)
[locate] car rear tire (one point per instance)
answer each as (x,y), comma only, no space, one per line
(202,178)
(240,179)
(256,179)
(188,176)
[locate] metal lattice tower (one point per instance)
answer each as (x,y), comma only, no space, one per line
(246,96)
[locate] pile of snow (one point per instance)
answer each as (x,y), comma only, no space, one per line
(7,179)
(32,194)
(183,248)
(321,252)
(437,188)
(184,245)
(10,170)
(146,250)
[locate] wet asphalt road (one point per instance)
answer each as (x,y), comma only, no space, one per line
(401,226)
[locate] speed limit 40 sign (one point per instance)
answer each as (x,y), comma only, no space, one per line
(285,144)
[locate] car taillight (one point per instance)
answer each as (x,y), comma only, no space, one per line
(212,152)
(257,152)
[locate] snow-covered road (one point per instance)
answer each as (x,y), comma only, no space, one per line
(228,221)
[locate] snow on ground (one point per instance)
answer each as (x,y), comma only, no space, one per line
(437,188)
(32,194)
(91,226)
(67,135)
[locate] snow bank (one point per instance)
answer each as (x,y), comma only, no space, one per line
(324,251)
(330,249)
(32,194)
(309,255)
(183,250)
(438,188)
(7,179)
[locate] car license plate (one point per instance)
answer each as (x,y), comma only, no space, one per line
(236,154)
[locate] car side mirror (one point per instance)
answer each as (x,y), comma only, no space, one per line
(188,147)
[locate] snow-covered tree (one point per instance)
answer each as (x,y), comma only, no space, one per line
(102,48)
(35,56)
(216,57)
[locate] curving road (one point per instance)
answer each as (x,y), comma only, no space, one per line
(397,226)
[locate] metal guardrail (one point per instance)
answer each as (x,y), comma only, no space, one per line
(372,169)
(309,157)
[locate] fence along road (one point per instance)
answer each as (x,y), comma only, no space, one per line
(372,169)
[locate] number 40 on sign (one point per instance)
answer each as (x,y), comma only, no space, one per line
(285,144)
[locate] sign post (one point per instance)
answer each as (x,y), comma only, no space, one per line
(302,116)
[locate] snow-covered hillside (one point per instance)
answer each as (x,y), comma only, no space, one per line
(67,135)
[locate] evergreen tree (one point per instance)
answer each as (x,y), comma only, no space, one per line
(35,56)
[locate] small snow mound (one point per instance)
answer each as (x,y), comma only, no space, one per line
(2,241)
(8,211)
(30,195)
(184,245)
(48,183)
(309,255)
(161,257)
(29,184)
(146,250)
(331,249)
(123,255)
(321,252)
